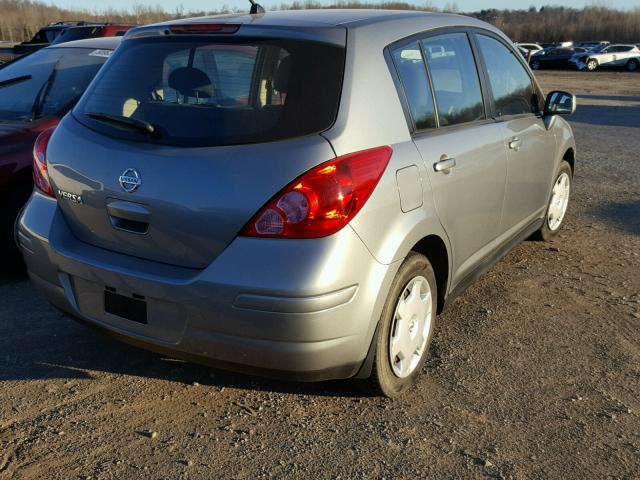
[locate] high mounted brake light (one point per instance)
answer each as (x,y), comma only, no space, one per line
(204,28)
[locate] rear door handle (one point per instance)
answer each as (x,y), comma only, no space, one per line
(444,165)
(515,144)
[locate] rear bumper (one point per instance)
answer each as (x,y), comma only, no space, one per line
(298,309)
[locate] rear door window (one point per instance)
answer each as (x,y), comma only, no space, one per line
(511,85)
(210,92)
(413,75)
(455,80)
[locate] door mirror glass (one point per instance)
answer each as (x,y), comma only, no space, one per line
(560,103)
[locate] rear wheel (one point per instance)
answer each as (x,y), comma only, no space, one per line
(558,203)
(592,65)
(632,65)
(406,328)
(536,65)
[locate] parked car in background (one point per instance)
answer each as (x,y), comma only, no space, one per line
(59,32)
(226,190)
(35,92)
(91,31)
(612,56)
(43,38)
(554,57)
(593,46)
(531,47)
(526,54)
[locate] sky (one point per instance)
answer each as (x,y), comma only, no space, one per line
(463,5)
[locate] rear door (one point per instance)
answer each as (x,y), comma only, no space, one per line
(530,146)
(463,150)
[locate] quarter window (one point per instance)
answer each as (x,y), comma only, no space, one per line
(455,79)
(413,74)
(510,83)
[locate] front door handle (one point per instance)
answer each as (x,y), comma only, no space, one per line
(445,164)
(515,144)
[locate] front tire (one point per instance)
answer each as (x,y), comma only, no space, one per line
(558,203)
(406,329)
(535,65)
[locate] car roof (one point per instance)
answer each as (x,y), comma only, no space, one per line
(322,18)
(378,27)
(107,43)
(303,18)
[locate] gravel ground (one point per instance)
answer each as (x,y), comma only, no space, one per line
(534,372)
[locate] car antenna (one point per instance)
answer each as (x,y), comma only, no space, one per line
(255,8)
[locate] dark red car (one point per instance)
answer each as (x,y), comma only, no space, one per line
(91,31)
(35,93)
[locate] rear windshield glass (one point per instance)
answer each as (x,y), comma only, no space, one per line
(47,82)
(210,92)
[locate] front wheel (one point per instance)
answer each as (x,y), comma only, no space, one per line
(406,328)
(632,65)
(558,203)
(535,65)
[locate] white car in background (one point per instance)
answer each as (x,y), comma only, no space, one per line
(613,56)
(531,47)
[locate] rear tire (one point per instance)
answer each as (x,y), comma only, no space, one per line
(632,65)
(535,65)
(406,328)
(558,203)
(592,65)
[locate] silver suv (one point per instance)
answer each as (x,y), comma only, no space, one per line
(295,193)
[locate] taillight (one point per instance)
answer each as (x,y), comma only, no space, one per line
(324,199)
(204,28)
(40,174)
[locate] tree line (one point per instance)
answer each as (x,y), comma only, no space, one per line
(21,19)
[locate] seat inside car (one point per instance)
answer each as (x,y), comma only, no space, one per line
(191,82)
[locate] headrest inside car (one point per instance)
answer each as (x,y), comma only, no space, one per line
(282,75)
(191,82)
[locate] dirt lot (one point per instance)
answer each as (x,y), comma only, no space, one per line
(534,372)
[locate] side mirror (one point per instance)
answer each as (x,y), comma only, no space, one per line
(560,103)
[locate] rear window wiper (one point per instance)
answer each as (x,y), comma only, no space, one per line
(133,123)
(13,81)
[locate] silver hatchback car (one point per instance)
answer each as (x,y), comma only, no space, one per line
(297,193)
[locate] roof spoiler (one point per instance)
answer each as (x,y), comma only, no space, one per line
(256,8)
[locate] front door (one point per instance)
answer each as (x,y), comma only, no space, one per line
(530,146)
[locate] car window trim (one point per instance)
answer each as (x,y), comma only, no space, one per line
(428,132)
(534,85)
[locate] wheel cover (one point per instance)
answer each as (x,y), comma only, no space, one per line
(410,327)
(559,201)
(632,66)
(592,65)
